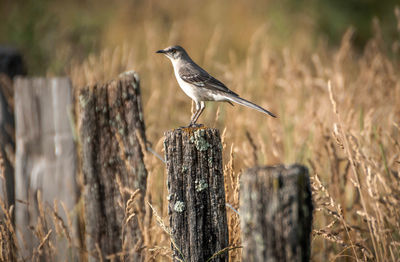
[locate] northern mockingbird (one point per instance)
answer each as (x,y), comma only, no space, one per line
(200,85)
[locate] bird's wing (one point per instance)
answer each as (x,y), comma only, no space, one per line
(195,75)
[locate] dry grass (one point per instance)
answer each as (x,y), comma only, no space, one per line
(338,113)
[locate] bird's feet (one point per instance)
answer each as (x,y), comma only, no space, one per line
(196,125)
(193,125)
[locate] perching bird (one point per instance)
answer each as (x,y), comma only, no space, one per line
(200,85)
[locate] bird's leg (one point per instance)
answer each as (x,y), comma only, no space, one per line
(191,124)
(199,109)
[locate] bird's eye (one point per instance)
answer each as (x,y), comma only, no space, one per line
(173,51)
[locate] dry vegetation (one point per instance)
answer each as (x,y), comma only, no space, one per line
(338,113)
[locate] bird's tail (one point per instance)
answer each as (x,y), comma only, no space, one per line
(244,102)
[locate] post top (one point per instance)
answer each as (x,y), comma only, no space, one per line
(191,130)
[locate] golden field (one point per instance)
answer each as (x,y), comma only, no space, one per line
(338,113)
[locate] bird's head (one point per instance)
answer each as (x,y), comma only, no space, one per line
(173,52)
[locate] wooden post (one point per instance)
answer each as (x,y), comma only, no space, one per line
(276,213)
(111,132)
(11,65)
(196,194)
(45,166)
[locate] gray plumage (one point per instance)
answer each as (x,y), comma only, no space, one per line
(200,85)
(193,74)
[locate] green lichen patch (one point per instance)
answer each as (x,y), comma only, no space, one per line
(179,206)
(210,161)
(83,101)
(200,185)
(198,138)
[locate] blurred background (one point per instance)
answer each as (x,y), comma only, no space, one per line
(278,54)
(51,33)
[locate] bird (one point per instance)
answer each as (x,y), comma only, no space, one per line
(200,86)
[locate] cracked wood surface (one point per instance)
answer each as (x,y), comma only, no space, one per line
(196,194)
(111,128)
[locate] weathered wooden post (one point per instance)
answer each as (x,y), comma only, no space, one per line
(276,213)
(196,207)
(111,130)
(45,165)
(11,65)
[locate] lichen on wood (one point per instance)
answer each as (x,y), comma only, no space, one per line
(113,168)
(196,194)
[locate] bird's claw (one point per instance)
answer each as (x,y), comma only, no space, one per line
(193,125)
(196,125)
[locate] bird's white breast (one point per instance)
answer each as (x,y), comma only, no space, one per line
(186,87)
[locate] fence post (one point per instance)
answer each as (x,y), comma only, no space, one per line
(276,213)
(196,194)
(111,130)
(45,162)
(11,65)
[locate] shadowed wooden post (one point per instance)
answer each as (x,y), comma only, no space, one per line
(111,131)
(11,65)
(196,194)
(276,213)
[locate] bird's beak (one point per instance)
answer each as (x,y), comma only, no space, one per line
(161,52)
